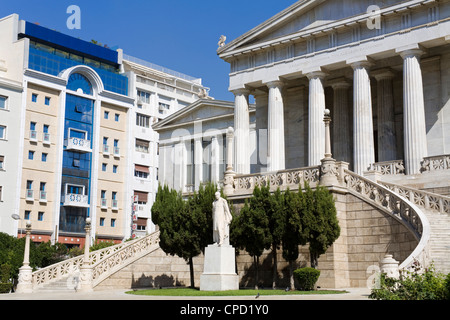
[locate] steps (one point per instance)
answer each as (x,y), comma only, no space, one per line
(66,284)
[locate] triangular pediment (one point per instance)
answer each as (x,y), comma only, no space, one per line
(302,16)
(200,110)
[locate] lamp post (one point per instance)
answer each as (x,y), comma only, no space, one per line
(25,284)
(86,269)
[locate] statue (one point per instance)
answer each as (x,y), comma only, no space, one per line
(222,41)
(221,220)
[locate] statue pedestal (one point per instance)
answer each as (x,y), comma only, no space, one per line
(219,273)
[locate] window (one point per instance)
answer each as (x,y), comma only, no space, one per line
(113,223)
(40,216)
(163,107)
(2,132)
(116,117)
(143,96)
(106,115)
(3,103)
(142,146)
(114,195)
(142,120)
(30,155)
(74,189)
(102,222)
(34,97)
(47,101)
(77,134)
(104,167)
(44,157)
(141,171)
(27,215)
(115,168)
(103,194)
(2,162)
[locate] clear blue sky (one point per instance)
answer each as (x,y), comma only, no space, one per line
(178,34)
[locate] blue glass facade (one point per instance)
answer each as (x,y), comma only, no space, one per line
(52,61)
(77,165)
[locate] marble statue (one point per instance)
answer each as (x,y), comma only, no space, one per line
(221,220)
(222,41)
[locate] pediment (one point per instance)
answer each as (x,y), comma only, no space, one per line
(303,15)
(199,110)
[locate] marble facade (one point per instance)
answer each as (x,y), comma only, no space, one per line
(382,71)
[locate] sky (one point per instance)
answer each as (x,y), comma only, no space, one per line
(180,35)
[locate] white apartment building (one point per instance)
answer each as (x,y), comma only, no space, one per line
(159,92)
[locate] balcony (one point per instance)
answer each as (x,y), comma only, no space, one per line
(117,152)
(46,138)
(115,204)
(79,145)
(33,136)
(29,196)
(42,196)
(105,150)
(104,203)
(76,200)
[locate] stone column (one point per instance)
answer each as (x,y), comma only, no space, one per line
(276,151)
(316,127)
(342,148)
(363,139)
(198,162)
(25,284)
(387,149)
(215,157)
(242,131)
(415,134)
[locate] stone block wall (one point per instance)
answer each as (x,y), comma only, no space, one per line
(367,234)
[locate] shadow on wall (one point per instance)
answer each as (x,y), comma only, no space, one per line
(149,282)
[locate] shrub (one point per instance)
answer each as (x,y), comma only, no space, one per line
(426,284)
(307,278)
(447,287)
(5,274)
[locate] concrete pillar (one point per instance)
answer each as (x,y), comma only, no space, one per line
(316,127)
(242,131)
(198,162)
(276,150)
(363,139)
(387,149)
(415,134)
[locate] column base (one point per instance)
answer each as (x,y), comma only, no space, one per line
(25,284)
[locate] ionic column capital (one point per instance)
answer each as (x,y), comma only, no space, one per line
(412,51)
(316,75)
(240,91)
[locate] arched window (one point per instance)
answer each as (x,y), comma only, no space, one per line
(78,82)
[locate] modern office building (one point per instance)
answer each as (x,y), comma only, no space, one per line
(75,134)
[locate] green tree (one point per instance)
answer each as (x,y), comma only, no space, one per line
(320,222)
(250,230)
(293,235)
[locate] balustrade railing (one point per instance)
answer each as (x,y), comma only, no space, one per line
(397,206)
(435,163)
(427,200)
(244,184)
(389,167)
(101,261)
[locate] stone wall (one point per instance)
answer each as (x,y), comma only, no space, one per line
(367,234)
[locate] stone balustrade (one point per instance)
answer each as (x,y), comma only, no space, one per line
(435,163)
(389,167)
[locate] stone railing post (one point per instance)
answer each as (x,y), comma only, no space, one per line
(86,268)
(228,180)
(25,284)
(328,170)
(389,266)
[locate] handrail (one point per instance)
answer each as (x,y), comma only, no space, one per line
(425,199)
(399,207)
(103,268)
(72,265)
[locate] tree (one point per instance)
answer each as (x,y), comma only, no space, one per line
(320,222)
(250,230)
(293,235)
(276,215)
(185,225)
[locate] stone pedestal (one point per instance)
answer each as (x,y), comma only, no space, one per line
(219,272)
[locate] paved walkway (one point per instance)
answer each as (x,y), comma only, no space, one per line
(353,294)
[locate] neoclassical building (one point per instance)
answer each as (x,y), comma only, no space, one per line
(382,71)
